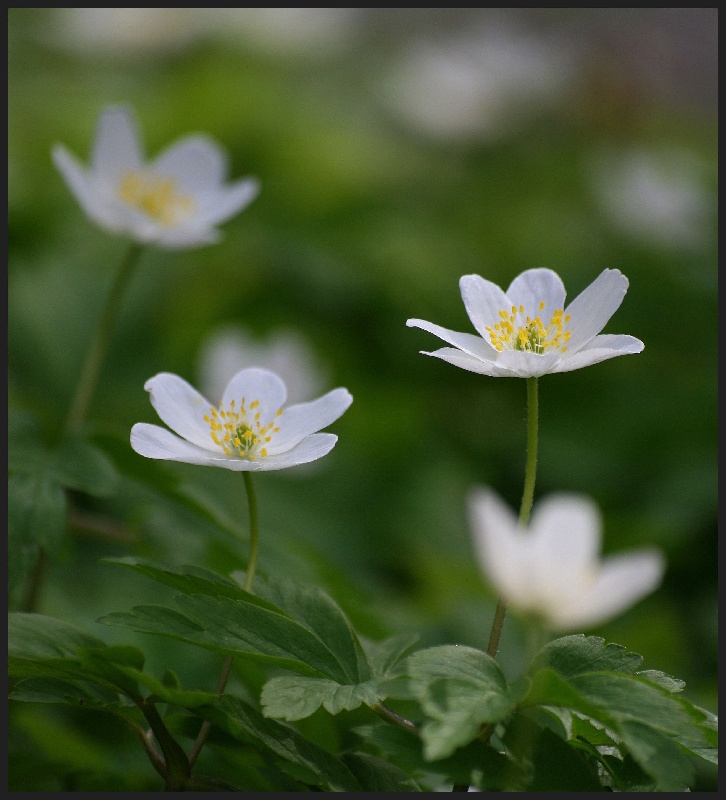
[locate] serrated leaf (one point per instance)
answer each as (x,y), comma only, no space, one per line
(321,615)
(628,698)
(293,697)
(579,654)
(244,723)
(459,689)
(237,627)
(668,682)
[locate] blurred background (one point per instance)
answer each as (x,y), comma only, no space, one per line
(397,150)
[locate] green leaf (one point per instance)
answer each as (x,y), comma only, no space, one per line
(546,762)
(310,762)
(459,689)
(376,775)
(80,465)
(658,755)
(237,627)
(578,654)
(384,655)
(671,684)
(322,616)
(74,693)
(296,697)
(189,580)
(45,647)
(37,511)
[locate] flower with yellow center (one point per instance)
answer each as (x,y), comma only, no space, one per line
(174,201)
(551,569)
(251,429)
(528,331)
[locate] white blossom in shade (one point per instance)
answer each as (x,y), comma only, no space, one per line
(229,349)
(552,568)
(528,331)
(251,428)
(174,201)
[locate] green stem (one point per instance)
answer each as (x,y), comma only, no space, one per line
(254,531)
(97,352)
(530,474)
(178,768)
(251,565)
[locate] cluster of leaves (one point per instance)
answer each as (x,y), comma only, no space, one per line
(584,717)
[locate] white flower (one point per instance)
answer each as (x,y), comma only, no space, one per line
(286,352)
(552,568)
(174,201)
(528,332)
(249,430)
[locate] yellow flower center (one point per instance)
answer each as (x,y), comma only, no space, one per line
(239,431)
(156,196)
(518,331)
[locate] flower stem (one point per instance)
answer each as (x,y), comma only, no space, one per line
(530,473)
(97,352)
(251,565)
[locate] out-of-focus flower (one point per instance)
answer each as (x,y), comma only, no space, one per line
(251,429)
(552,569)
(174,201)
(527,332)
(476,86)
(285,352)
(656,196)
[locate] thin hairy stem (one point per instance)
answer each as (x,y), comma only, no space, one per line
(251,566)
(530,474)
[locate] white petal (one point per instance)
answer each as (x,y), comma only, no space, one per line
(483,301)
(310,449)
(471,363)
(196,164)
(153,441)
(474,345)
(535,286)
(298,421)
(84,189)
(215,207)
(623,581)
(599,349)
(183,236)
(565,537)
(493,527)
(258,384)
(117,148)
(592,308)
(182,408)
(523,364)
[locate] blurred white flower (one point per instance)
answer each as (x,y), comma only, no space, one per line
(125,32)
(528,332)
(285,352)
(658,197)
(250,430)
(476,86)
(174,201)
(552,569)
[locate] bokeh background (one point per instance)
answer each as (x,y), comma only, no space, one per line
(397,150)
